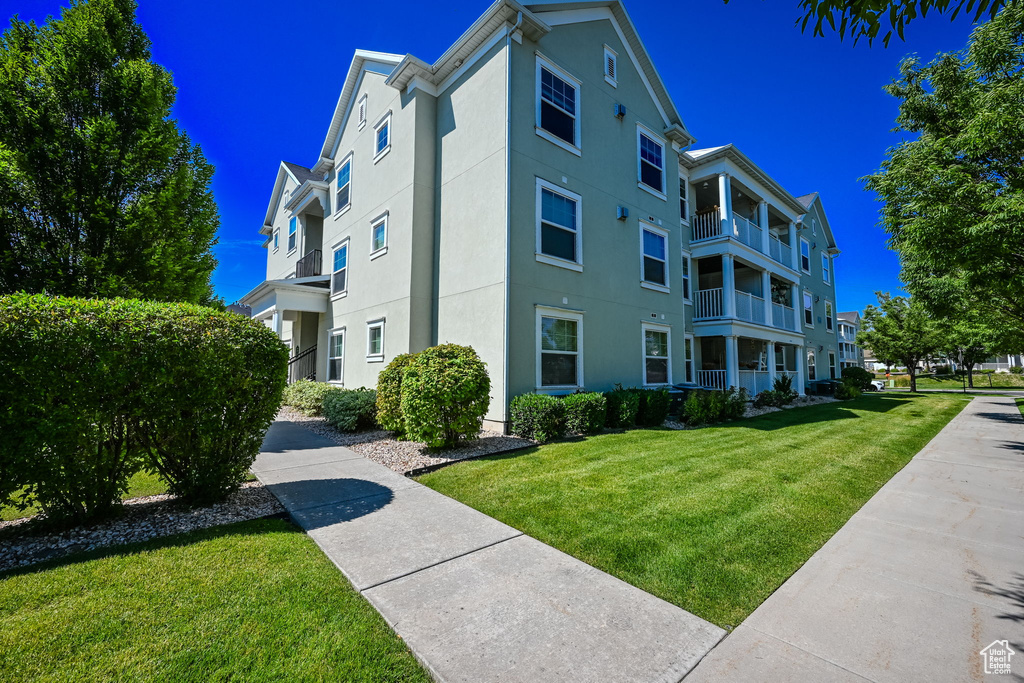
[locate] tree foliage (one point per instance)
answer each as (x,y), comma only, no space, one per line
(100,193)
(899,329)
(954,194)
(867,18)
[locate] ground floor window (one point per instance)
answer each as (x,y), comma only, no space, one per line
(657,365)
(375,340)
(688,355)
(832,364)
(811,375)
(559,359)
(336,356)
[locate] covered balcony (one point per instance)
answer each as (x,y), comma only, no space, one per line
(743,362)
(730,289)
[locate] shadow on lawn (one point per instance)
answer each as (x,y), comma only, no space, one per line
(823,412)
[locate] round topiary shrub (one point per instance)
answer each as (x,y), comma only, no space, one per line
(351,409)
(860,377)
(389,393)
(445,394)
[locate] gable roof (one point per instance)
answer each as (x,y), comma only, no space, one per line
(298,174)
(812,199)
(694,157)
(852,317)
(807,199)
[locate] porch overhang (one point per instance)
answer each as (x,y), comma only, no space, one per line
(307,295)
(740,328)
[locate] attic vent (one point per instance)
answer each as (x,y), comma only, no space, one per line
(362,111)
(611,70)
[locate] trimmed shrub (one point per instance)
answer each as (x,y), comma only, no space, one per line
(623,405)
(307,396)
(585,413)
(445,394)
(711,407)
(95,390)
(654,404)
(389,393)
(351,409)
(1017,369)
(858,377)
(537,416)
(847,390)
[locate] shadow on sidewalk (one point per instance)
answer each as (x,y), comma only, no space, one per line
(340,500)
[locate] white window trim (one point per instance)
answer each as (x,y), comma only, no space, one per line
(361,112)
(276,239)
(377,253)
(384,121)
(576,265)
(611,79)
(348,253)
(343,209)
(641,129)
(810,351)
(297,222)
(691,361)
(803,241)
(543,62)
(344,348)
(688,258)
(564,314)
(826,270)
(828,327)
(803,307)
(656,327)
(370,325)
(684,181)
(666,288)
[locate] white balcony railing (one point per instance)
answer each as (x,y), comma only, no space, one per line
(755,381)
(747,232)
(749,307)
(780,252)
(783,317)
(713,379)
(708,303)
(706,226)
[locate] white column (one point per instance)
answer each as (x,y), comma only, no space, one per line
(728,286)
(801,356)
(732,362)
(794,246)
(762,221)
(766,292)
(798,308)
(278,323)
(725,203)
(771,364)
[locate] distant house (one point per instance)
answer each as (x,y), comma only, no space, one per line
(1003,363)
(850,355)
(240,309)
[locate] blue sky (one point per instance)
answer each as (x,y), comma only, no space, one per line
(257,83)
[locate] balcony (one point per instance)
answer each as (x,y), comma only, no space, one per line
(309,265)
(783,317)
(708,226)
(709,305)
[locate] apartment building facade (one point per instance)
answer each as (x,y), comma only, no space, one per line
(851,355)
(535,194)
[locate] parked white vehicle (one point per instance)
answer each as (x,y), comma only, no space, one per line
(877,385)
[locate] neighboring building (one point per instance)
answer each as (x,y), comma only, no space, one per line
(239,309)
(535,194)
(850,354)
(1002,363)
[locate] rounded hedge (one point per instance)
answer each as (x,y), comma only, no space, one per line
(445,394)
(538,417)
(860,377)
(351,409)
(95,390)
(389,393)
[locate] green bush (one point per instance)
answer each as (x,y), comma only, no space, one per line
(771,399)
(445,394)
(389,393)
(585,413)
(307,396)
(96,390)
(1017,369)
(537,416)
(623,405)
(351,409)
(654,405)
(711,407)
(847,390)
(859,377)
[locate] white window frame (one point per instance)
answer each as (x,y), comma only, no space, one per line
(684,200)
(372,325)
(544,63)
(644,131)
(829,319)
(807,296)
(811,361)
(655,327)
(576,265)
(689,365)
(561,314)
(347,160)
(611,76)
(331,333)
(277,239)
(661,232)
(805,243)
(361,112)
(686,273)
(833,364)
(826,268)
(293,235)
(380,251)
(385,121)
(348,253)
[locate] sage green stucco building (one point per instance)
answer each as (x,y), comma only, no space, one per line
(535,194)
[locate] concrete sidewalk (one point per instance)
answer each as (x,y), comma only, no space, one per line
(474,599)
(928,573)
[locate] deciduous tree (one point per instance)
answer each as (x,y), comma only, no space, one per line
(899,329)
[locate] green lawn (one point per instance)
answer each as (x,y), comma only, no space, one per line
(1000,380)
(1020,404)
(255,601)
(714,519)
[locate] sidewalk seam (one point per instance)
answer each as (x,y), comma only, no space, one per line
(812,654)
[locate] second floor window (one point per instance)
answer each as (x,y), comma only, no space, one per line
(375,340)
(655,269)
(808,309)
(293,229)
(805,255)
(557,113)
(684,191)
(686,277)
(825,269)
(828,316)
(344,196)
(339,271)
(379,235)
(652,162)
(559,229)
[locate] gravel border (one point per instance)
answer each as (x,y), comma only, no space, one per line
(143,519)
(405,456)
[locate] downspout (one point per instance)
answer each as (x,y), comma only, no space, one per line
(508,202)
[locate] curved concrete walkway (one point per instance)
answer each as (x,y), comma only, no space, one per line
(928,573)
(474,599)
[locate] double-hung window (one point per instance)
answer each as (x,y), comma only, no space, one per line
(382,137)
(657,365)
(558,226)
(653,242)
(808,309)
(339,270)
(559,353)
(811,370)
(293,229)
(686,276)
(336,355)
(831,364)
(688,357)
(379,236)
(651,161)
(343,198)
(558,106)
(277,238)
(825,269)
(684,193)
(828,316)
(375,341)
(805,255)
